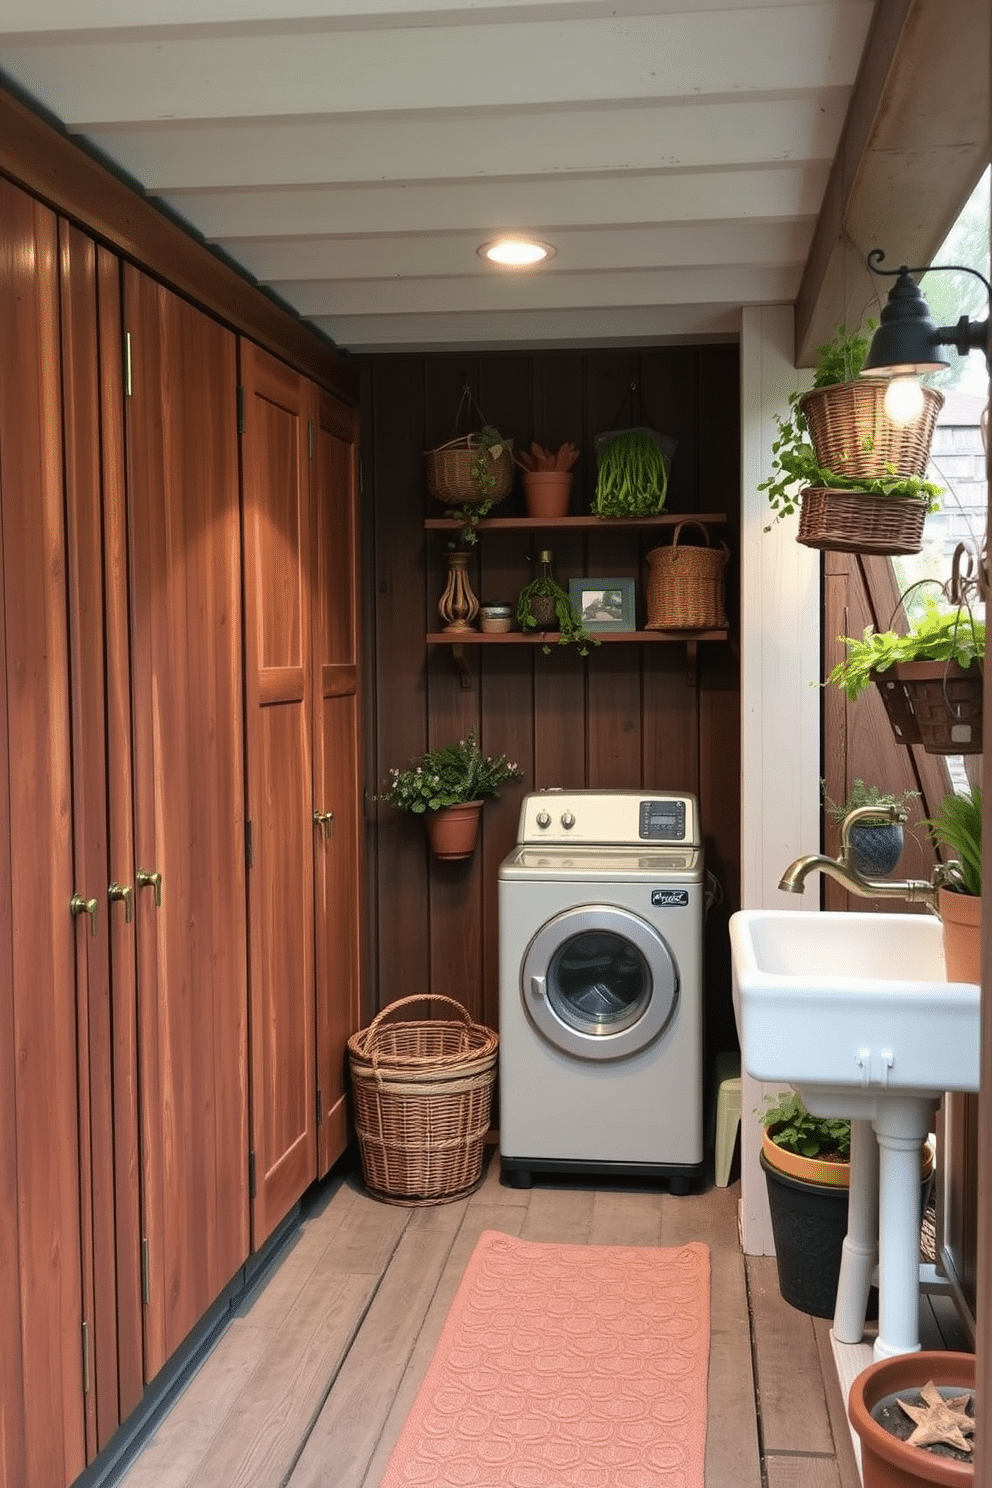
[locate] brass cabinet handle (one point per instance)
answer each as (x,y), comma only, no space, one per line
(325,821)
(79,905)
(125,892)
(148,880)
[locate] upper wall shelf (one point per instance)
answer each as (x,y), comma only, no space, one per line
(577,524)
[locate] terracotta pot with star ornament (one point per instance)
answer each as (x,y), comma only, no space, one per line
(915,1416)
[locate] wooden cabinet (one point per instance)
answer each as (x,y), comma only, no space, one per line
(302,723)
(42,1441)
(189,827)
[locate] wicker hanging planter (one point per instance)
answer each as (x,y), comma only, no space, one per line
(470,468)
(853,436)
(855,522)
(934,703)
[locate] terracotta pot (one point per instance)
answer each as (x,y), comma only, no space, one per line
(454,830)
(547,492)
(961,921)
(887,1462)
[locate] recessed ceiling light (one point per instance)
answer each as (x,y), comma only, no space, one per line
(516,253)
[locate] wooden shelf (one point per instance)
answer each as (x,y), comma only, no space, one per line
(550,637)
(578,524)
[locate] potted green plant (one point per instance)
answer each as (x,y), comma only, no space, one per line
(543,605)
(806,1162)
(930,679)
(836,445)
(957,825)
(448,787)
(876,844)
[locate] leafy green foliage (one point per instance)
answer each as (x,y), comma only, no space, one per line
(939,635)
(488,447)
(633,477)
(570,627)
(958,825)
(448,776)
(864,795)
(841,359)
(791,1127)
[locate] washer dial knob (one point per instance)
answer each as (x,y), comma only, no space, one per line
(568,820)
(543,818)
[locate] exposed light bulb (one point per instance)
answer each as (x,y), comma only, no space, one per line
(903,400)
(515,253)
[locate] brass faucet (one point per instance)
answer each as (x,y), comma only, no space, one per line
(841,868)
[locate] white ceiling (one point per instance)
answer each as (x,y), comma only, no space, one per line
(685,158)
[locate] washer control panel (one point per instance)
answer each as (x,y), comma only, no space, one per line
(615,818)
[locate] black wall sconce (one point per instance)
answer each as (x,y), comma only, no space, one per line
(907,341)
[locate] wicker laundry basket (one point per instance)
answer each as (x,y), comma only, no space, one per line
(423,1096)
(686,585)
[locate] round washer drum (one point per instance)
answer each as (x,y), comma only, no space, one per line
(599,982)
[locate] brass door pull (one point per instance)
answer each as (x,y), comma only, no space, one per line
(79,905)
(125,892)
(148,880)
(325,821)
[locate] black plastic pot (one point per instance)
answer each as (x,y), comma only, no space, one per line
(809,1222)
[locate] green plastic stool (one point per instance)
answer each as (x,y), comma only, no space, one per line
(727,1118)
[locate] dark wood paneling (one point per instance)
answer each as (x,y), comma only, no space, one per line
(628,716)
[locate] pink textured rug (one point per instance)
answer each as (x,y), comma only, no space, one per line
(577,1366)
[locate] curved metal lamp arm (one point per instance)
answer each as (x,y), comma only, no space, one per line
(967,335)
(877,255)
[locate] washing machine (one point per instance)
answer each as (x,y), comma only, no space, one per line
(601,1005)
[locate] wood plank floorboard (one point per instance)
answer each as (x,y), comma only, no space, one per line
(310,1383)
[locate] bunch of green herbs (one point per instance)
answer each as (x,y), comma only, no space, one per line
(861,795)
(633,477)
(791,1127)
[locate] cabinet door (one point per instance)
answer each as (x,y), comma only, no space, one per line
(186,661)
(92,398)
(338,877)
(277,542)
(41,1359)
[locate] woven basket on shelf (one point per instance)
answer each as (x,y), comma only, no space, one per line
(934,703)
(686,585)
(853,435)
(423,1096)
(449,471)
(855,522)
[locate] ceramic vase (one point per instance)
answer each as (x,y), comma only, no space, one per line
(454,830)
(887,1462)
(876,847)
(961,923)
(547,492)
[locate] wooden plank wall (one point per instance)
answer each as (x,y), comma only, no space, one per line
(624,718)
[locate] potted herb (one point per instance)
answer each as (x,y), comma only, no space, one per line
(876,844)
(448,786)
(836,438)
(806,1162)
(958,826)
(930,679)
(543,605)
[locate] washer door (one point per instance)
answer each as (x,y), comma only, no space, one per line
(599,982)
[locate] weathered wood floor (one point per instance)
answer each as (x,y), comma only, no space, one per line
(310,1382)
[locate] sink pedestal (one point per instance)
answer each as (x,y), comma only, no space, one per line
(884,1222)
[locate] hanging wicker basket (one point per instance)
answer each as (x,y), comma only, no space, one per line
(423,1097)
(934,703)
(450,468)
(854,436)
(856,522)
(686,585)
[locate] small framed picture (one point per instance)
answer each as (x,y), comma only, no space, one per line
(603,604)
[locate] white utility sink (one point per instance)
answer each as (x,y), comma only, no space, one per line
(851,1003)
(854,1012)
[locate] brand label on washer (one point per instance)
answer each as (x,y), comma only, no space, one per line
(668,898)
